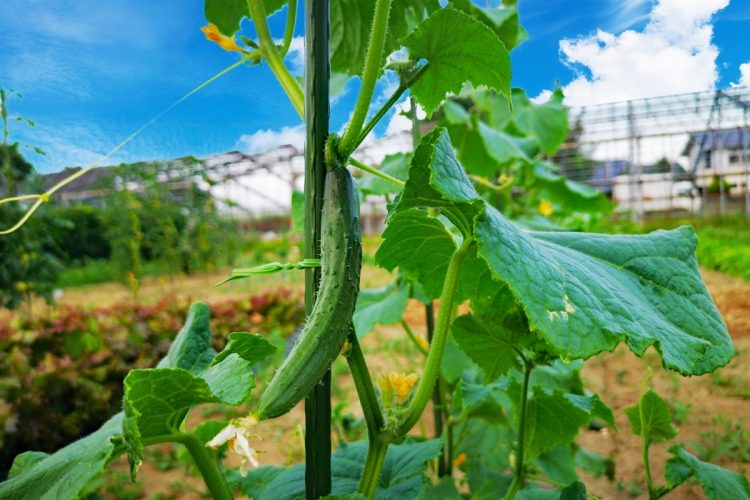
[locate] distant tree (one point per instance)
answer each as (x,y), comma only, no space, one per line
(573,163)
(15,168)
(663,166)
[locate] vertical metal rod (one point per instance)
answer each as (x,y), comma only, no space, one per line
(633,180)
(721,163)
(745,163)
(317,110)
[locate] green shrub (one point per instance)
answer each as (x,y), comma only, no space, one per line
(81,234)
(29,265)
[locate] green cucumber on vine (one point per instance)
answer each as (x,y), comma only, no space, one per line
(328,325)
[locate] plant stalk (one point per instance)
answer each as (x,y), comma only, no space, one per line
(376,451)
(376,173)
(373,61)
(365,388)
(413,337)
(208,465)
(270,54)
(403,86)
(520,470)
(647,465)
(291,19)
(316,113)
(426,383)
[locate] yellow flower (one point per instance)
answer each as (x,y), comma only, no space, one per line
(237,434)
(399,385)
(225,42)
(546,208)
(461,458)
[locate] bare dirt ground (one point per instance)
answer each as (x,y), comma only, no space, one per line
(712,411)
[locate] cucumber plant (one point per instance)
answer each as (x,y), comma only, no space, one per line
(536,304)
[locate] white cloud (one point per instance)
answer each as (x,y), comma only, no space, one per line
(673,54)
(400,122)
(263,140)
(744,80)
(296,54)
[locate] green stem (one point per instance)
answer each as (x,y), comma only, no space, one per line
(519,473)
(378,438)
(373,61)
(426,383)
(269,52)
(645,445)
(365,389)
(542,479)
(439,398)
(376,173)
(389,104)
(208,465)
(291,19)
(373,464)
(647,465)
(410,333)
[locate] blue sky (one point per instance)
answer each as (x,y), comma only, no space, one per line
(91,72)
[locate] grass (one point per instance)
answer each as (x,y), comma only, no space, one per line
(255,252)
(101,271)
(723,243)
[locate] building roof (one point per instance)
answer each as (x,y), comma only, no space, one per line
(735,138)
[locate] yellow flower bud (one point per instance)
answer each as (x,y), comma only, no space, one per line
(225,42)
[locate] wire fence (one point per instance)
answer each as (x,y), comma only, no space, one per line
(686,154)
(662,156)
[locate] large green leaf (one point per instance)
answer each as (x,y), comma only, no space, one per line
(395,165)
(227,14)
(191,349)
(157,400)
(547,123)
(458,49)
(384,305)
(558,464)
(350,30)
(552,420)
(421,246)
(651,418)
(402,476)
(488,343)
(65,473)
(251,347)
(583,293)
(595,464)
(485,150)
(567,194)
(718,483)
(502,20)
(444,490)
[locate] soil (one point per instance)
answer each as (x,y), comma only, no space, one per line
(713,411)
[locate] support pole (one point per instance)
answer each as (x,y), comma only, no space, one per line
(317,73)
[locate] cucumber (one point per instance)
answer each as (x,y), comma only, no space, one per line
(328,325)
